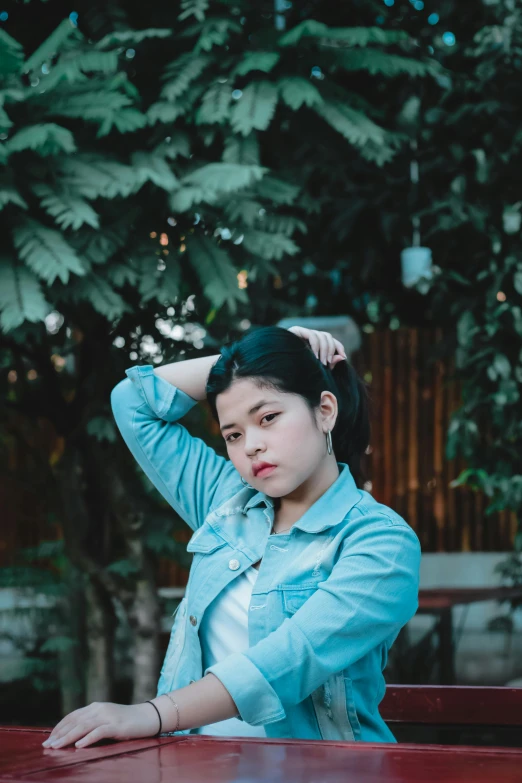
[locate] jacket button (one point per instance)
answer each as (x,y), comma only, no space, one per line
(233,564)
(193,620)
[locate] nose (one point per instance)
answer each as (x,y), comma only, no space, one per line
(253,444)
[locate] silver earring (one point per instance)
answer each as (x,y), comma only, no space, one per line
(246,483)
(329,441)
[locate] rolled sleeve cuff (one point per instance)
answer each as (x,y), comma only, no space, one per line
(254,697)
(163,398)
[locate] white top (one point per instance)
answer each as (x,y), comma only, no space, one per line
(223,631)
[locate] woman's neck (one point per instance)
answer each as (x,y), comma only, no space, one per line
(289,508)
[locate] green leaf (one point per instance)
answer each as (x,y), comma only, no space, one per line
(68,210)
(123,121)
(284,224)
(52,45)
(43,551)
(46,139)
(216,32)
(58,644)
(182,72)
(45,251)
(376,62)
(119,274)
(98,247)
(224,177)
(466,329)
(256,61)
(243,211)
(502,365)
(123,568)
(255,108)
(152,168)
(358,129)
(215,105)
(95,176)
(196,8)
(162,285)
(71,69)
(21,297)
(216,272)
(164,112)
(209,182)
(8,195)
(269,246)
(178,143)
(98,293)
(11,54)
(239,149)
(353,36)
(102,429)
(296,91)
(128,37)
(277,190)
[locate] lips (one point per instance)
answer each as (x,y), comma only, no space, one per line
(261,467)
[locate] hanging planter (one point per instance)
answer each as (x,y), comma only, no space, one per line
(416,261)
(417,265)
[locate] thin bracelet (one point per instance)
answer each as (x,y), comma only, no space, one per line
(159,716)
(177,710)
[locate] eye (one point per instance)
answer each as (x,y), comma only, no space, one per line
(229,438)
(269,414)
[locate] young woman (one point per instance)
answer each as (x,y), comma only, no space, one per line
(300,581)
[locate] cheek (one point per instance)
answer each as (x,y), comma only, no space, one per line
(293,434)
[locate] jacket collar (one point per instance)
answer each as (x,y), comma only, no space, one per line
(330,509)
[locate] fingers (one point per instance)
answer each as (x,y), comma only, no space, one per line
(102,732)
(64,726)
(75,733)
(325,347)
(339,347)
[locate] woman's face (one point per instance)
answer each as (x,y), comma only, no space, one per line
(265,425)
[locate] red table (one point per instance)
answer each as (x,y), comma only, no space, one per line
(194,758)
(441,600)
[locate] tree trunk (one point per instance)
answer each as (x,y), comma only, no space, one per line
(101,505)
(144,618)
(79,531)
(100,644)
(142,608)
(71,661)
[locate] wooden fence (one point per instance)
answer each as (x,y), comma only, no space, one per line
(413,398)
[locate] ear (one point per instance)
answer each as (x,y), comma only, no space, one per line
(328,410)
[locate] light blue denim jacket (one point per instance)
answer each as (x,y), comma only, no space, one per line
(331,596)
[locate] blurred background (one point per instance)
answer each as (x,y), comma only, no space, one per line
(172,174)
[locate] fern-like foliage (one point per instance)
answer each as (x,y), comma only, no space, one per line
(192,144)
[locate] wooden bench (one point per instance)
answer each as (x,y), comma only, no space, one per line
(455,714)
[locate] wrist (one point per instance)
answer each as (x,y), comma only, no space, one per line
(147,718)
(169,711)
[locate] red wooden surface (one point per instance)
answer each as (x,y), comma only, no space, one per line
(456,705)
(192,759)
(446,597)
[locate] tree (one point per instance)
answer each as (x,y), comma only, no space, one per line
(472,210)
(129,192)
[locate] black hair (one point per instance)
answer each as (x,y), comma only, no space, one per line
(275,357)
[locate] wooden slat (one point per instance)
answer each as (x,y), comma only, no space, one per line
(457,705)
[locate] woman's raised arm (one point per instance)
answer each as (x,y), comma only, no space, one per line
(147,406)
(190,376)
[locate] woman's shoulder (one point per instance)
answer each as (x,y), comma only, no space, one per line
(369,519)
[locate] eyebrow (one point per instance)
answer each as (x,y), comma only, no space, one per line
(252,410)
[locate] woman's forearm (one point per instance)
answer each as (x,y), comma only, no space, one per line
(190,376)
(202,702)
